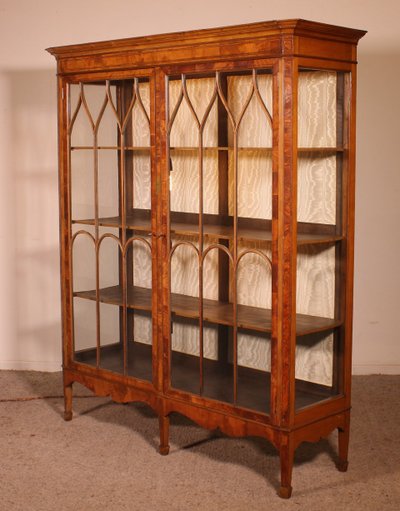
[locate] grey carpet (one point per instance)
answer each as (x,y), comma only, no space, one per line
(106,458)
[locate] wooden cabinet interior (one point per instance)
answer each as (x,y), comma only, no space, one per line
(206,219)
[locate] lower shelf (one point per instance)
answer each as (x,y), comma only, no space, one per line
(253,385)
(139,363)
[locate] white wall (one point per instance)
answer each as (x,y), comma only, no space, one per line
(29,285)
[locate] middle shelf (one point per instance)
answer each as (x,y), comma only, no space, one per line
(251,318)
(215,226)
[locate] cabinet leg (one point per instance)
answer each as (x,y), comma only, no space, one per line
(343,437)
(286,457)
(164,434)
(68,402)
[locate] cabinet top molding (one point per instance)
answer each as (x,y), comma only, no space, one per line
(295,37)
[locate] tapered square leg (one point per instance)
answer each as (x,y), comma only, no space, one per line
(343,437)
(164,434)
(68,402)
(286,453)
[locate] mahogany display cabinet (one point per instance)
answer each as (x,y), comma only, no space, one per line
(207,227)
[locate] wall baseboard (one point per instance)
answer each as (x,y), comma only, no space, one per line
(360,369)
(19,365)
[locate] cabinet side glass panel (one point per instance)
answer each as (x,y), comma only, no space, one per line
(219,129)
(322,153)
(110,167)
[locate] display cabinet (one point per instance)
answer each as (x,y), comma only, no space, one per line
(207,227)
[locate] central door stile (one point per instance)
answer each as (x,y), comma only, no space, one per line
(157,102)
(160,191)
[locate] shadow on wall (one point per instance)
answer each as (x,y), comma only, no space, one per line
(377,278)
(32,200)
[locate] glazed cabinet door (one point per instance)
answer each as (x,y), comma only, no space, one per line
(219,142)
(325,192)
(108,207)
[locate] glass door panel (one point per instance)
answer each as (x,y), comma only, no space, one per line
(321,172)
(219,130)
(110,169)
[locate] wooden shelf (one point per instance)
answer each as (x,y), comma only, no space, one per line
(253,384)
(111,148)
(221,313)
(267,150)
(247,233)
(138,297)
(319,150)
(219,148)
(140,221)
(112,359)
(191,149)
(136,222)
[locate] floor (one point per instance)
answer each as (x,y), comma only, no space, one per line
(106,457)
